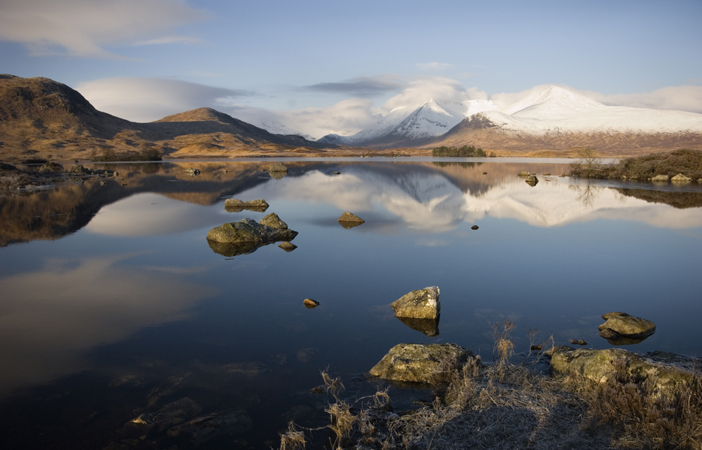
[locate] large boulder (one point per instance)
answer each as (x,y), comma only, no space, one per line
(419,304)
(665,370)
(417,363)
(622,329)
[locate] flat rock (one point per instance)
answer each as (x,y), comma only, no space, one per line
(417,363)
(309,303)
(621,325)
(287,246)
(605,365)
(236,205)
(419,304)
(660,178)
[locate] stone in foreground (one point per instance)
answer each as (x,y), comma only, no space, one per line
(419,304)
(236,205)
(666,370)
(417,363)
(622,329)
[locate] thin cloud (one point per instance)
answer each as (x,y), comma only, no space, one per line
(148,99)
(83,28)
(434,66)
(679,98)
(170,40)
(360,86)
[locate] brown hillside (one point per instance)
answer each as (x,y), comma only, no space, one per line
(40,118)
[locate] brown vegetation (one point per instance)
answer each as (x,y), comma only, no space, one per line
(506,406)
(642,168)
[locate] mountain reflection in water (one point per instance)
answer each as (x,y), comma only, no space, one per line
(115,304)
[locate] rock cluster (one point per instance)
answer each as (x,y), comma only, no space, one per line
(237,238)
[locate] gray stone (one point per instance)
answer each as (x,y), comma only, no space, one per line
(419,304)
(417,363)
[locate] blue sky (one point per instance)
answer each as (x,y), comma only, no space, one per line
(290,56)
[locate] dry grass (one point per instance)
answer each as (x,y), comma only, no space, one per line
(685,161)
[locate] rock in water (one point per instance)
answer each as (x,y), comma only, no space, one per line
(680,178)
(236,205)
(523,174)
(309,303)
(417,363)
(287,246)
(192,171)
(532,180)
(272,220)
(51,167)
(347,217)
(243,237)
(622,329)
(277,167)
(419,304)
(660,178)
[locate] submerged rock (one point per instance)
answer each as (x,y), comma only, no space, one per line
(202,429)
(417,363)
(429,327)
(236,205)
(532,180)
(169,415)
(605,365)
(348,220)
(622,329)
(419,304)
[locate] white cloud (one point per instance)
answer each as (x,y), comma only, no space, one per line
(148,99)
(434,66)
(84,27)
(423,89)
(680,98)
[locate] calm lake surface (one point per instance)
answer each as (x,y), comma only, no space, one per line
(113,305)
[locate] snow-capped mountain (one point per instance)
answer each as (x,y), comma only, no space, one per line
(413,124)
(551,118)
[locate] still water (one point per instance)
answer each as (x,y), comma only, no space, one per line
(113,305)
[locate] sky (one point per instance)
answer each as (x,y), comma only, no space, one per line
(336,64)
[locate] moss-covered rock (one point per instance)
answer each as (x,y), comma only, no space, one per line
(272,220)
(417,363)
(613,364)
(419,304)
(622,327)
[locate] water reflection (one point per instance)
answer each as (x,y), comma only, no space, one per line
(76,305)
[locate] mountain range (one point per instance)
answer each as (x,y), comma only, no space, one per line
(41,118)
(552,118)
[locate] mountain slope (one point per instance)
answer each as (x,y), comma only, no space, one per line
(42,118)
